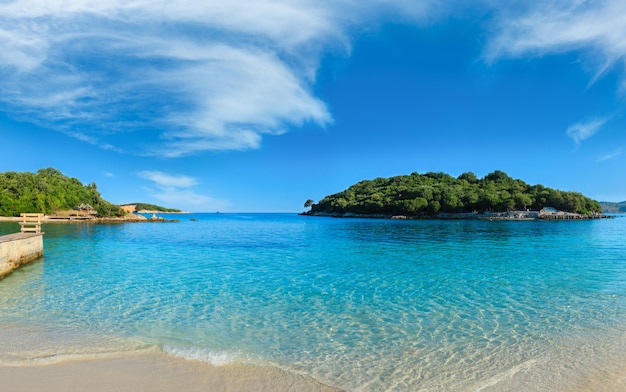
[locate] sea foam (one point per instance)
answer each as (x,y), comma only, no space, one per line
(215,358)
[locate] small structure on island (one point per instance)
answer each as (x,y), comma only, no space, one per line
(86,210)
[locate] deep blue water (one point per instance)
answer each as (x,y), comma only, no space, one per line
(360,304)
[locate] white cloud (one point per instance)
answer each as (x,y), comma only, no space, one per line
(190,201)
(191,76)
(593,30)
(174,190)
(90,140)
(584,130)
(167,180)
(194,76)
(611,155)
(597,29)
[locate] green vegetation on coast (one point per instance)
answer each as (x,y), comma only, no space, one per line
(433,193)
(49,191)
(152,208)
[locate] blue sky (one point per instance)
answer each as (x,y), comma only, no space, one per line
(259,105)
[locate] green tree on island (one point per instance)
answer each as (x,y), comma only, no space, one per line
(435,192)
(48,191)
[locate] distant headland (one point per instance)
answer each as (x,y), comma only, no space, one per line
(438,195)
(613,208)
(145,208)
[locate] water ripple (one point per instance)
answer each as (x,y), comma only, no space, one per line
(367,305)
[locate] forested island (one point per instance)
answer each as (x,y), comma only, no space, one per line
(435,194)
(50,192)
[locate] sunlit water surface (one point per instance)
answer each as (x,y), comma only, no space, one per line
(368,305)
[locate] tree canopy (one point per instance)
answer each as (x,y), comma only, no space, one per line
(154,207)
(48,191)
(434,192)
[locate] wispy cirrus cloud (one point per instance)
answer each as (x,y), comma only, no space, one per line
(193,76)
(167,180)
(597,30)
(584,130)
(190,76)
(177,190)
(610,156)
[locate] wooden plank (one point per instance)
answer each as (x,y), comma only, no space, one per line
(33,215)
(31,222)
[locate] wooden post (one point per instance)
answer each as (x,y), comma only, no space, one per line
(31,222)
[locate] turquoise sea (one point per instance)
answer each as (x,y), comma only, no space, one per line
(359,304)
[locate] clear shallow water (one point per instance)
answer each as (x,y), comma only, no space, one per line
(359,304)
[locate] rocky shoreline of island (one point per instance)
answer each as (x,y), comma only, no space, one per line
(545,214)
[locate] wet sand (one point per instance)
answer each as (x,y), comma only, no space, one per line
(153,373)
(162,373)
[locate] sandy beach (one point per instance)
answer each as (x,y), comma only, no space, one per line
(153,373)
(162,373)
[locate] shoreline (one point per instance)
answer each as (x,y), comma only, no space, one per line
(491,216)
(86,219)
(154,372)
(162,372)
(163,212)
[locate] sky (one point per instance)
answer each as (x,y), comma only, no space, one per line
(257,106)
